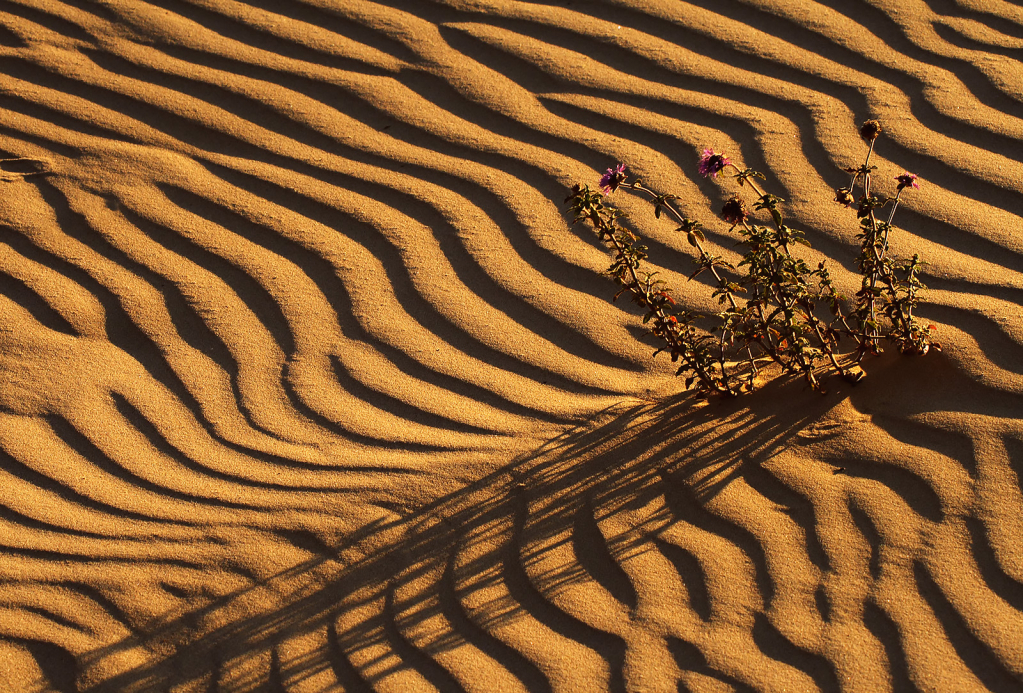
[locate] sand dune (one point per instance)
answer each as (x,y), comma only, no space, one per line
(307,385)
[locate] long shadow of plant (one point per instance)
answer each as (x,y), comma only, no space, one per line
(398,595)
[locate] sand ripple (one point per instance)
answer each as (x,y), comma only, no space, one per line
(307,385)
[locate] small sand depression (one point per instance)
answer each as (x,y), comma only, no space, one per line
(307,384)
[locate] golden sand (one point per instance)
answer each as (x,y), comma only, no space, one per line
(307,385)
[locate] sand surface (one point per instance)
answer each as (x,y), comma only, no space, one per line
(307,385)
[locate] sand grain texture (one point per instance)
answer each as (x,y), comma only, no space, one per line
(307,385)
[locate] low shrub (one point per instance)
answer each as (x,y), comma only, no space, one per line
(776,309)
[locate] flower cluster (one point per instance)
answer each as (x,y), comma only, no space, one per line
(769,313)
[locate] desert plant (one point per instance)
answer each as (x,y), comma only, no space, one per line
(769,302)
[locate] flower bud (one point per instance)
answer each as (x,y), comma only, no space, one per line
(870,130)
(843,196)
(735,211)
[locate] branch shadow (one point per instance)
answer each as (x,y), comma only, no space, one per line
(485,540)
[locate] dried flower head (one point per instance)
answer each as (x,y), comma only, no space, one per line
(907,180)
(614,177)
(735,211)
(870,130)
(711,163)
(843,196)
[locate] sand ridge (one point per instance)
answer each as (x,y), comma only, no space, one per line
(306,384)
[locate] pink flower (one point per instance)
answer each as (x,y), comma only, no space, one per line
(711,163)
(906,180)
(614,177)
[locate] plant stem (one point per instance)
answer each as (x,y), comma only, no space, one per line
(639,187)
(720,386)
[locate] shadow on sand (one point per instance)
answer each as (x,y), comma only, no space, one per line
(356,607)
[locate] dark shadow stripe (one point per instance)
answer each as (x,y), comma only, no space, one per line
(58,665)
(237,29)
(688,657)
(248,289)
(84,447)
(347,675)
(514,662)
(23,471)
(691,573)
(866,527)
(415,657)
(684,505)
(972,650)
(594,555)
(521,588)
(794,504)
(36,305)
(776,646)
(914,490)
(881,625)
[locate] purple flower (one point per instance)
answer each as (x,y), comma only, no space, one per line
(711,163)
(614,177)
(906,180)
